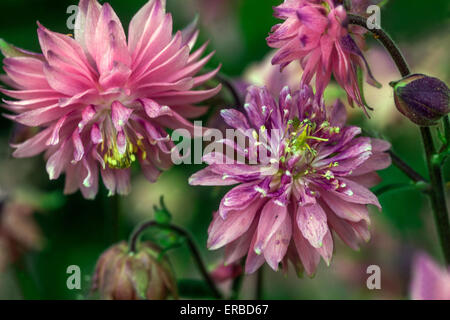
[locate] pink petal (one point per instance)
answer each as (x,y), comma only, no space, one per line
(355,193)
(89,179)
(78,146)
(308,255)
(312,222)
(207,177)
(430,281)
(144,26)
(377,161)
(96,134)
(120,115)
(346,210)
(223,231)
(87,20)
(59,160)
(72,178)
(344,229)
(272,217)
(253,261)
(111,41)
(277,246)
(238,248)
(32,146)
(326,251)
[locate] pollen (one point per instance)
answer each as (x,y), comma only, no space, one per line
(116,160)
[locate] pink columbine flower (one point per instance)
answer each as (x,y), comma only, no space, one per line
(315,180)
(315,32)
(104,102)
(430,281)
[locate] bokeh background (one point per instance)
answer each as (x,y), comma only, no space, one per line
(42,231)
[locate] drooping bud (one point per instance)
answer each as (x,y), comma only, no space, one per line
(224,272)
(424,100)
(123,275)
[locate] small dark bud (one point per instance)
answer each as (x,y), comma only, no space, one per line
(424,100)
(122,275)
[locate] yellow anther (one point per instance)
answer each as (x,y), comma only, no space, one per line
(116,160)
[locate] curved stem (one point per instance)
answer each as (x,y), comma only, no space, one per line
(437,192)
(387,42)
(134,239)
(403,166)
(229,85)
(395,187)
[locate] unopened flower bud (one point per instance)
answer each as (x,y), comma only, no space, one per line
(424,100)
(123,275)
(224,272)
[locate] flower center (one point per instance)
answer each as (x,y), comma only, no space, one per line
(116,158)
(300,135)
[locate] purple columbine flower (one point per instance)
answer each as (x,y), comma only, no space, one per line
(310,176)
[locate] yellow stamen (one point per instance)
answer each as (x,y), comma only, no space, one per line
(116,160)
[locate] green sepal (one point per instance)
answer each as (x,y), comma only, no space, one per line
(360,75)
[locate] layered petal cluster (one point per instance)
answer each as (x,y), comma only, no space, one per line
(315,32)
(103,101)
(301,174)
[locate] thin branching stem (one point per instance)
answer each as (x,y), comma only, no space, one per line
(134,239)
(437,192)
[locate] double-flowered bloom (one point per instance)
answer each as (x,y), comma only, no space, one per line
(316,33)
(304,174)
(104,102)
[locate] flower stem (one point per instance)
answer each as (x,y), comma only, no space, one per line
(437,192)
(386,41)
(403,166)
(259,284)
(115,210)
(191,244)
(236,287)
(230,86)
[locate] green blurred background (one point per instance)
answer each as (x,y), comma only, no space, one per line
(77,231)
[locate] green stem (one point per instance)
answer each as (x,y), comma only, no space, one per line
(437,192)
(401,187)
(230,86)
(237,284)
(259,284)
(134,239)
(447,128)
(115,212)
(403,166)
(236,287)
